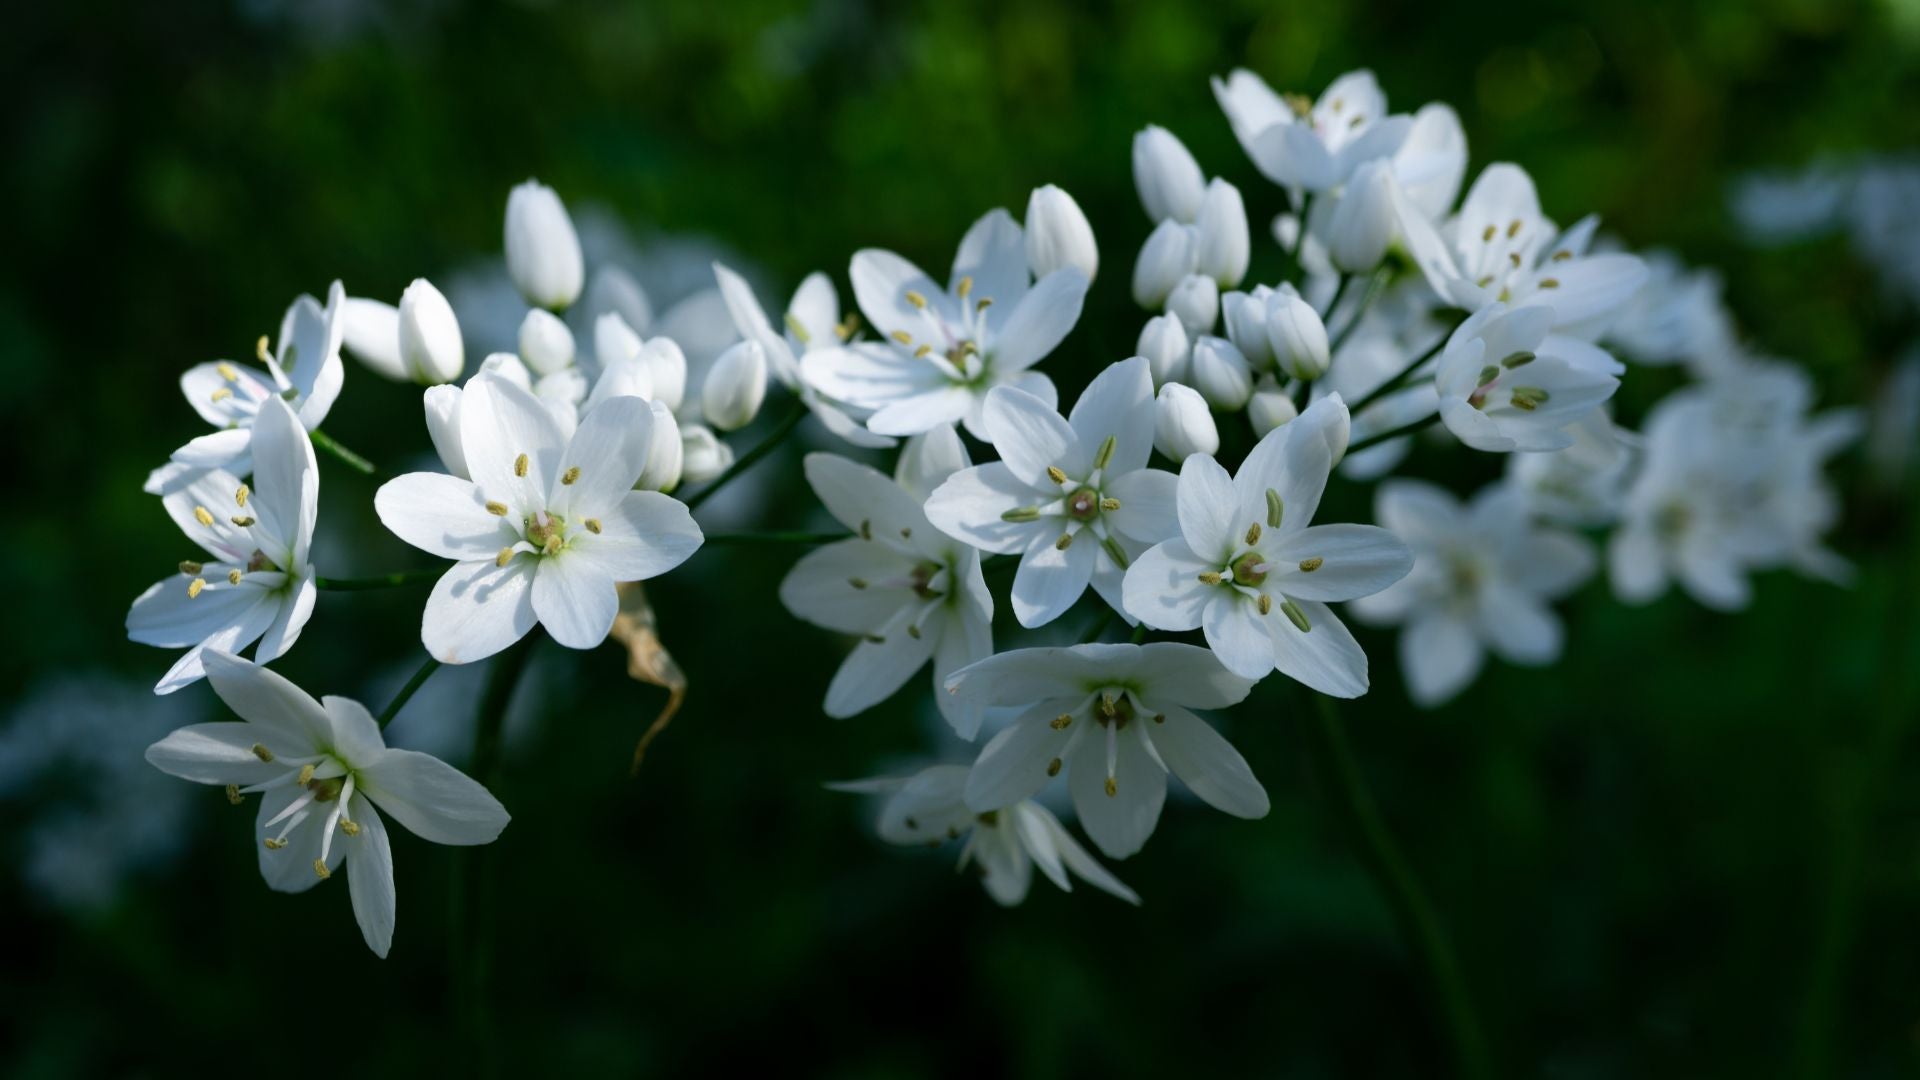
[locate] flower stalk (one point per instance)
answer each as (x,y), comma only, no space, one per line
(750,458)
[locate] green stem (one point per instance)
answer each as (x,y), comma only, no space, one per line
(1372,441)
(354,461)
(1400,376)
(1374,285)
(1099,626)
(1339,293)
(1300,237)
(380,581)
(747,460)
(406,692)
(1412,910)
(754,539)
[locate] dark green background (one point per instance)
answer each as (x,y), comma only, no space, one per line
(1691,849)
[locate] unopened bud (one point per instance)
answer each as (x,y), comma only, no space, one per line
(703,455)
(1221,374)
(1166,175)
(1224,246)
(1245,316)
(1362,224)
(1163,341)
(1058,235)
(1196,303)
(666,452)
(1269,407)
(1182,426)
(430,342)
(736,386)
(1298,337)
(1166,257)
(545,342)
(543,251)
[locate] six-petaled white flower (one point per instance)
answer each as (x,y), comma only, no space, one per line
(1315,145)
(1506,383)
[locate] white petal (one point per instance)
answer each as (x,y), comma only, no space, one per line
(922,412)
(875,669)
(499,422)
(1013,765)
(1440,655)
(861,497)
(610,450)
(1023,676)
(1040,320)
(1207,504)
(881,281)
(1237,634)
(994,255)
(1076,858)
(1119,403)
(1636,565)
(1162,587)
(1030,438)
(219,753)
(965,639)
(1291,462)
(434,800)
(443,515)
(968,507)
(369,858)
(1355,561)
(1118,824)
(476,609)
(1049,580)
(929,460)
(1207,763)
(1326,658)
(645,535)
(869,376)
(1149,505)
(575,599)
(1188,675)
(1418,512)
(1551,562)
(290,869)
(819,588)
(290,617)
(1519,627)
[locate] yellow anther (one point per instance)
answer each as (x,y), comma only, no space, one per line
(1113,787)
(866,529)
(220,395)
(1276,509)
(202,515)
(1513,228)
(240,495)
(1309,565)
(1109,504)
(923,352)
(593,525)
(572,474)
(1059,723)
(497,509)
(520,465)
(233,794)
(1053,767)
(1295,616)
(1253,534)
(962,287)
(902,337)
(274,845)
(1549,283)
(320,869)
(1209,577)
(242,520)
(505,557)
(848,326)
(1065,542)
(913,632)
(1488,235)
(1514,258)
(260,351)
(1105,453)
(1106,706)
(227,371)
(1358,119)
(233,577)
(1265,603)
(1056,474)
(985,303)
(1562,255)
(351,828)
(916,299)
(190,568)
(260,751)
(858,583)
(194,587)
(306,775)
(552,545)
(798,329)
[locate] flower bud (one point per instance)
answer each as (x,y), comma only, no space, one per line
(1245,314)
(1362,224)
(1165,258)
(371,332)
(443,427)
(703,455)
(614,340)
(1170,183)
(736,386)
(1058,234)
(1269,407)
(1196,303)
(545,342)
(508,366)
(1182,425)
(1221,374)
(543,251)
(665,453)
(430,343)
(1298,337)
(1327,419)
(667,369)
(1224,245)
(1163,341)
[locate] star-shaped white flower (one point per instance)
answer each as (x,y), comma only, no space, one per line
(910,592)
(1314,145)
(304,371)
(1073,498)
(1004,844)
(1506,383)
(545,527)
(320,770)
(259,584)
(946,348)
(1117,719)
(1483,577)
(1250,570)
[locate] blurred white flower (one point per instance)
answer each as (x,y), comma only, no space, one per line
(1296,336)
(1313,145)
(1506,384)
(735,387)
(1169,180)
(1221,374)
(546,345)
(1195,301)
(1163,341)
(543,251)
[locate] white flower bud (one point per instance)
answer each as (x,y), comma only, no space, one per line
(1058,234)
(371,332)
(545,342)
(666,454)
(1182,425)
(1196,303)
(430,343)
(543,251)
(1269,407)
(667,370)
(614,340)
(736,386)
(1221,374)
(1328,418)
(1362,224)
(443,427)
(1298,337)
(703,455)
(1163,341)
(508,366)
(1245,314)
(1225,245)
(1165,258)
(1170,183)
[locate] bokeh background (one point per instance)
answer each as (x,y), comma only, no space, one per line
(1692,849)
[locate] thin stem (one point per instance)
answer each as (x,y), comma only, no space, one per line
(747,460)
(1139,633)
(406,692)
(1400,376)
(354,461)
(1374,286)
(1339,293)
(773,538)
(379,581)
(1372,441)
(1413,911)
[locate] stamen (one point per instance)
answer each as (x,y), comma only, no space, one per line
(797,328)
(351,828)
(1488,235)
(505,557)
(1295,616)
(1114,551)
(902,337)
(1159,718)
(260,751)
(1513,229)
(1113,787)
(1309,565)
(1488,374)
(242,520)
(320,868)
(858,583)
(906,534)
(923,351)
(1065,542)
(497,509)
(233,577)
(190,568)
(219,395)
(985,303)
(1528,398)
(1106,453)
(233,794)
(1514,258)
(1109,504)
(1275,508)
(1053,767)
(1253,534)
(866,529)
(1059,723)
(1265,603)
(1021,513)
(194,587)
(226,371)
(916,299)
(260,349)
(572,474)
(1209,577)
(1519,359)
(305,777)
(520,465)
(913,631)
(1550,283)
(1562,255)
(1056,474)
(963,287)
(273,844)
(552,546)
(203,516)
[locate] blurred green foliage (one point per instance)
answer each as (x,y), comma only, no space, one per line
(1691,849)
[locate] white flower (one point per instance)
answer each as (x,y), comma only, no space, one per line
(1170,182)
(430,342)
(1296,336)
(1182,424)
(544,528)
(1004,844)
(1249,571)
(1245,316)
(1483,577)
(260,582)
(908,590)
(1195,301)
(1317,145)
(1223,246)
(304,372)
(1163,341)
(1364,221)
(811,324)
(1270,406)
(1583,485)
(543,251)
(1058,235)
(1073,498)
(946,348)
(370,330)
(1499,247)
(1164,260)
(1506,384)
(703,455)
(1676,315)
(1117,719)
(322,769)
(545,342)
(731,396)
(1221,374)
